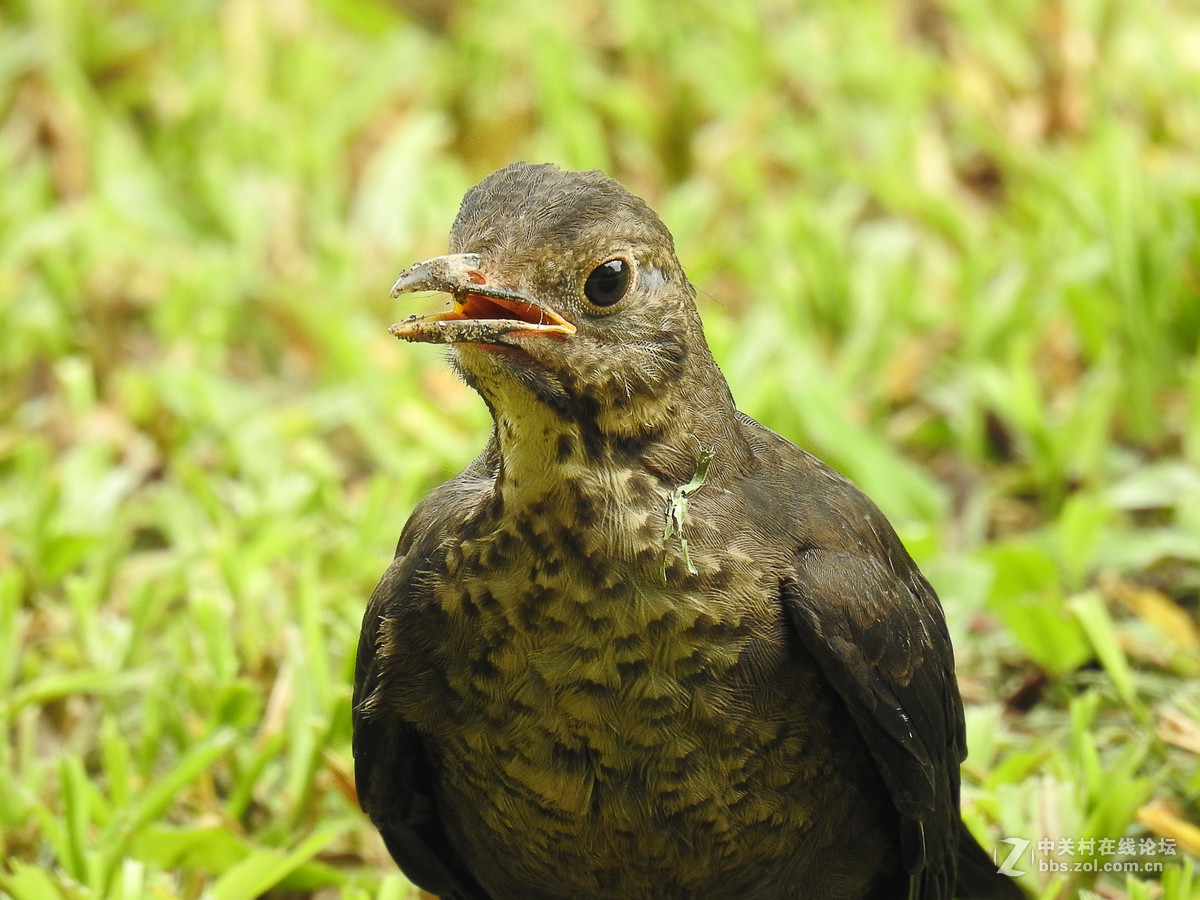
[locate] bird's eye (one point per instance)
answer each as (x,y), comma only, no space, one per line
(608,283)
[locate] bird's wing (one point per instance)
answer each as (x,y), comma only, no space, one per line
(875,627)
(882,643)
(392,769)
(392,772)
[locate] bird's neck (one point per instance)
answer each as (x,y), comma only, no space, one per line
(659,445)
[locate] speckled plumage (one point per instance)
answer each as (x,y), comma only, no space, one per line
(551,701)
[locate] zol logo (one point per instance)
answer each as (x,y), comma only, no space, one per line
(1009,866)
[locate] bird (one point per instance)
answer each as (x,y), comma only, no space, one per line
(643,646)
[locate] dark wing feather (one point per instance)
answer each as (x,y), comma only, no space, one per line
(393,771)
(873,624)
(393,777)
(881,640)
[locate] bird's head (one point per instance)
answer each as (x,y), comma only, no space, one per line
(569,304)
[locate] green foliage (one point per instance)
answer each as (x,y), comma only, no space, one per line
(949,246)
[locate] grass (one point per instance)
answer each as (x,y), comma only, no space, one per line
(949,246)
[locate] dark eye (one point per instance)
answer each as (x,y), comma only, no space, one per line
(608,283)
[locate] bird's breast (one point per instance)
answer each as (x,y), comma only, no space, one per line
(569,617)
(601,703)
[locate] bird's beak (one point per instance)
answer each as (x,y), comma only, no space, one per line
(482,313)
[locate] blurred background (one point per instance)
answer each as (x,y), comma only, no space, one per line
(950,246)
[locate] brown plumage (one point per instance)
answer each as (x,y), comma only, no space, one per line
(643,647)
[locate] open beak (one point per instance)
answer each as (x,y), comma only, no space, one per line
(482,314)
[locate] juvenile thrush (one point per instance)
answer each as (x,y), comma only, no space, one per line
(642,646)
